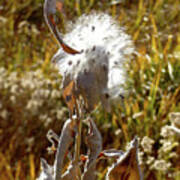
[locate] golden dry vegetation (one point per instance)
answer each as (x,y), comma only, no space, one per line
(30,95)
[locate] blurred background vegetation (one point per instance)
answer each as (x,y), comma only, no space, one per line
(30,95)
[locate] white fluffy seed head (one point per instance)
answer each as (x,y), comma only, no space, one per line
(98,71)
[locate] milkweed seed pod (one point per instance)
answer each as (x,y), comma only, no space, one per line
(127,165)
(97,69)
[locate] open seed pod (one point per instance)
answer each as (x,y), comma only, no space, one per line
(96,62)
(127,166)
(64,142)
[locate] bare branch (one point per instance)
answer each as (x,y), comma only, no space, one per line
(52,135)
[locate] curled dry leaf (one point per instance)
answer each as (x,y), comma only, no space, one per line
(127,167)
(51,136)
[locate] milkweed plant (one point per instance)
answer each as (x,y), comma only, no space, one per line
(92,67)
(132,80)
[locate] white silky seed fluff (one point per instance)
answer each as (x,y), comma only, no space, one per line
(98,70)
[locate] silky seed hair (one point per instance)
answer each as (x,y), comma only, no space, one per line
(99,68)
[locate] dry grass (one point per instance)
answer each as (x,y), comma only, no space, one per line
(30,103)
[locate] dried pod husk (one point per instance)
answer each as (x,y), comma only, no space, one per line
(49,16)
(64,142)
(94,144)
(127,166)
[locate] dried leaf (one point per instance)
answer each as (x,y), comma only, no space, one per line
(51,136)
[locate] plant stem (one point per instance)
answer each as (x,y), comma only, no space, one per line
(78,138)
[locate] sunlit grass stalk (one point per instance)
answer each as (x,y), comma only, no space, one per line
(32,166)
(113,10)
(78,8)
